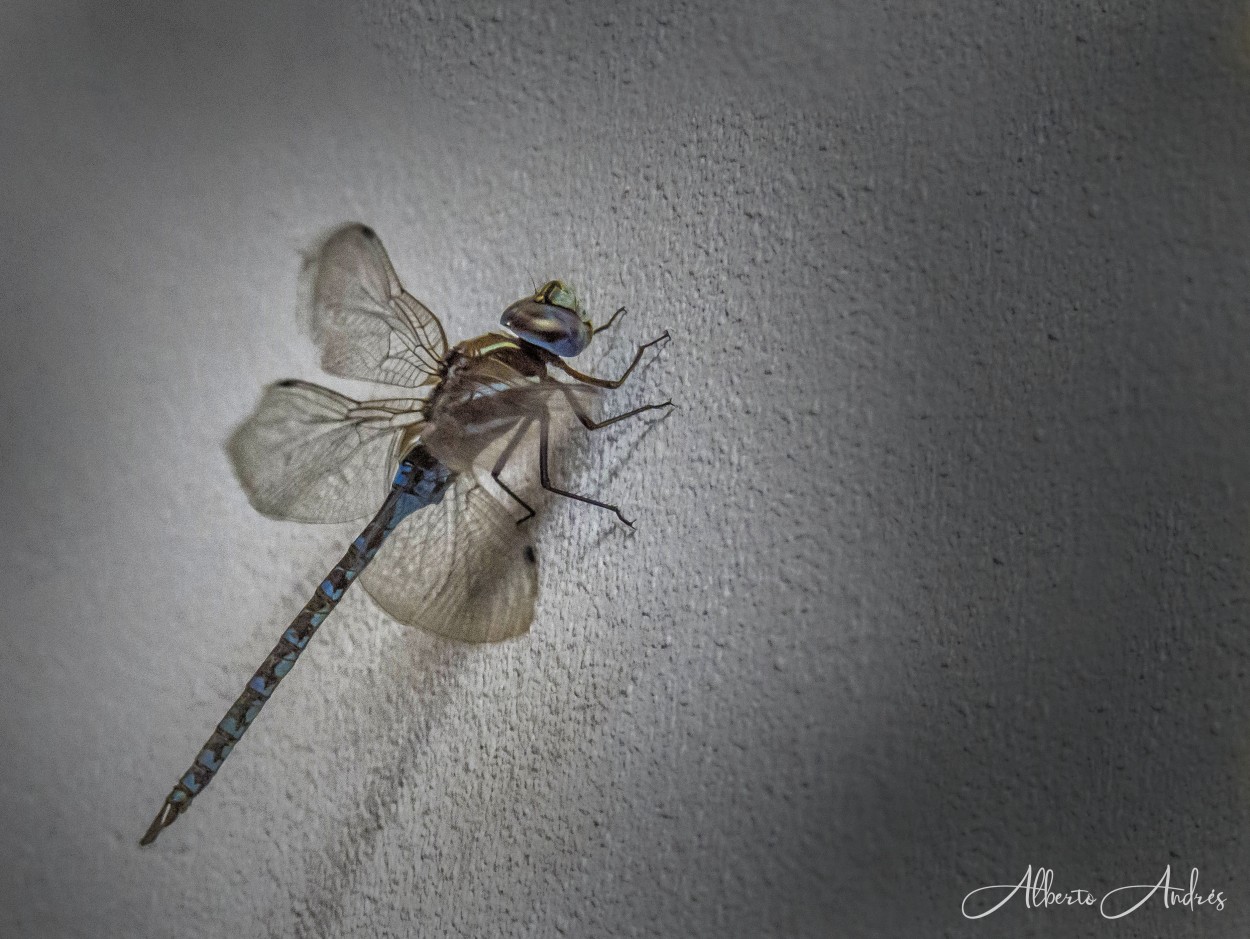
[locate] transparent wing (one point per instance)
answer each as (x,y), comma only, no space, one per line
(465,432)
(310,454)
(366,325)
(463,568)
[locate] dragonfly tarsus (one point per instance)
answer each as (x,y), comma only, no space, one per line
(545,479)
(590,424)
(503,461)
(607,382)
(529,511)
(608,325)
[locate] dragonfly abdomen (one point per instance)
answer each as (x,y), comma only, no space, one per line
(420,481)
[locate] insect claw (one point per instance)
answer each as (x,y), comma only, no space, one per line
(615,316)
(621,516)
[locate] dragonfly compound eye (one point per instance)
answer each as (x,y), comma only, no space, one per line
(548,326)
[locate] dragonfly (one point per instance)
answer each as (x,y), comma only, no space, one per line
(458,562)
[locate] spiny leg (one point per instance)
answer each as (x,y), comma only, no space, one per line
(591,424)
(503,460)
(605,382)
(545,479)
(596,330)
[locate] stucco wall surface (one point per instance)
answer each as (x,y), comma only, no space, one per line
(941,568)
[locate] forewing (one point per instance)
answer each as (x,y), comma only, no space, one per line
(366,325)
(462,568)
(310,454)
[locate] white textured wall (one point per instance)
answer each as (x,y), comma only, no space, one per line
(941,568)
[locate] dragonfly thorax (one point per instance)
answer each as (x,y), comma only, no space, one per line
(515,356)
(550,319)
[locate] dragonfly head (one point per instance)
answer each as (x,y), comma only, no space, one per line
(551,319)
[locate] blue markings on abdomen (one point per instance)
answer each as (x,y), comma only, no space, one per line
(263,685)
(286,663)
(420,481)
(295,639)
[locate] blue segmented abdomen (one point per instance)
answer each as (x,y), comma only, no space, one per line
(420,481)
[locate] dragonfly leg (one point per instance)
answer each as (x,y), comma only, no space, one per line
(503,460)
(591,424)
(595,331)
(606,382)
(545,479)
